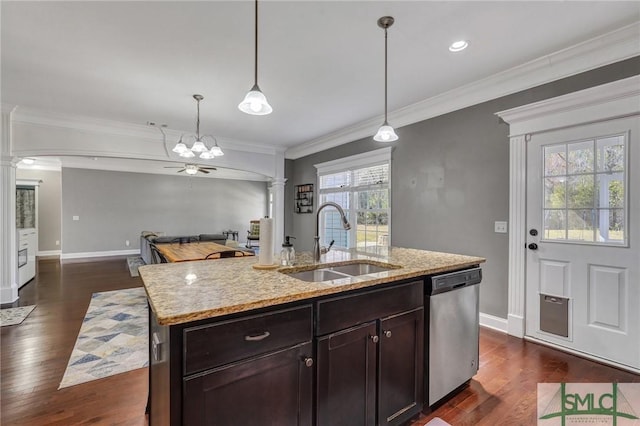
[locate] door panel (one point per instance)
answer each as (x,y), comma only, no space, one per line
(581,198)
(401,367)
(277,387)
(347,377)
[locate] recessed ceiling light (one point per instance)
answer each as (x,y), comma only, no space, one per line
(28,161)
(457,46)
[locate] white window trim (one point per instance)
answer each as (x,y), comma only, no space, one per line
(355,161)
(370,158)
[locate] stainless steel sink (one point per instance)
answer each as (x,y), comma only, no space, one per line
(317,275)
(355,269)
(328,273)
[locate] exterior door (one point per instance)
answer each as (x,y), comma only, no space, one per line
(583,239)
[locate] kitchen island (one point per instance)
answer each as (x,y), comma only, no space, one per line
(231,344)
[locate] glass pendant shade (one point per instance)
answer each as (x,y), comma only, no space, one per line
(255,103)
(385,134)
(187,154)
(216,151)
(198,146)
(180,147)
(206,155)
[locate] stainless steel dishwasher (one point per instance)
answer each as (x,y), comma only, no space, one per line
(453,331)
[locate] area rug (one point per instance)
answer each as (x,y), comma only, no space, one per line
(15,316)
(133,263)
(436,421)
(113,337)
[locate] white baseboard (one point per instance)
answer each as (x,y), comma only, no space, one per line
(583,355)
(89,254)
(49,253)
(515,325)
(8,294)
(493,322)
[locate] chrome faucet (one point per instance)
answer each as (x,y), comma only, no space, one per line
(317,250)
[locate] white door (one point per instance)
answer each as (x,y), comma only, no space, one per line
(583,238)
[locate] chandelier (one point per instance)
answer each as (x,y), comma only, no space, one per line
(199,146)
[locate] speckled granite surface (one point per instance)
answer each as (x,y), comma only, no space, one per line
(190,291)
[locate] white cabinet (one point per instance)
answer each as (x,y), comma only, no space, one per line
(27,250)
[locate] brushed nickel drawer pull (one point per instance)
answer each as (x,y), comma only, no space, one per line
(257,337)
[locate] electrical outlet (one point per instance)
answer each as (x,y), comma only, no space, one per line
(500,227)
(57,242)
(126,243)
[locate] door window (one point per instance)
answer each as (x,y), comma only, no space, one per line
(584,190)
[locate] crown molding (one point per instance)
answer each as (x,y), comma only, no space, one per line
(33,116)
(619,98)
(603,50)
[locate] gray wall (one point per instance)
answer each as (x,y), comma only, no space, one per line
(450,180)
(49,207)
(116,206)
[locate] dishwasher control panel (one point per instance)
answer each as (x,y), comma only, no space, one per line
(453,280)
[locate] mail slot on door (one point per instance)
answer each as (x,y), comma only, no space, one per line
(554,315)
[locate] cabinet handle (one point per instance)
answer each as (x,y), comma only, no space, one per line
(374,338)
(257,337)
(308,361)
(387,333)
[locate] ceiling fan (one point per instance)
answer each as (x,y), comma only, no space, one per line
(191,169)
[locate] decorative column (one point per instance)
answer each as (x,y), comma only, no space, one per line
(8,244)
(517,234)
(277,189)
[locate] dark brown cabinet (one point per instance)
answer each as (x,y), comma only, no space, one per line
(347,365)
(401,367)
(366,363)
(275,389)
(372,372)
(256,368)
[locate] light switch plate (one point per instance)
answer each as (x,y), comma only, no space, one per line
(76,218)
(500,227)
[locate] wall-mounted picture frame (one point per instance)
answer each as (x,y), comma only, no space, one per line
(304,198)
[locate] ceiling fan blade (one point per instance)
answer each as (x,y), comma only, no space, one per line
(181,170)
(173,167)
(204,171)
(208,168)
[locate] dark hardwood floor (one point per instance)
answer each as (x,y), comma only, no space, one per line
(35,354)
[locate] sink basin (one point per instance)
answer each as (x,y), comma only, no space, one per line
(329,273)
(317,275)
(355,269)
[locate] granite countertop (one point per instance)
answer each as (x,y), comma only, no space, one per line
(191,291)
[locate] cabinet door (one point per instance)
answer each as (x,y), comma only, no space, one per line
(274,389)
(401,367)
(347,377)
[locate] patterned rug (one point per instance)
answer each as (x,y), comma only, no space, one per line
(133,263)
(113,337)
(437,421)
(14,316)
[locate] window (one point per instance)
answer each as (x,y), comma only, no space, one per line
(361,186)
(584,191)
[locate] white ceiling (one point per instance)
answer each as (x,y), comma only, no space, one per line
(320,64)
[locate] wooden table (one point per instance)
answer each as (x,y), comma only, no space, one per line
(176,252)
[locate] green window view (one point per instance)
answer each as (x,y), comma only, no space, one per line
(584,191)
(363,193)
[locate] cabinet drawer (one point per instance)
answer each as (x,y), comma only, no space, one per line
(217,344)
(342,312)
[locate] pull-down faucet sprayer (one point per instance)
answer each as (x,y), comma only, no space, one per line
(317,251)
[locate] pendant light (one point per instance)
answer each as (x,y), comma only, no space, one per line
(199,146)
(385,132)
(255,103)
